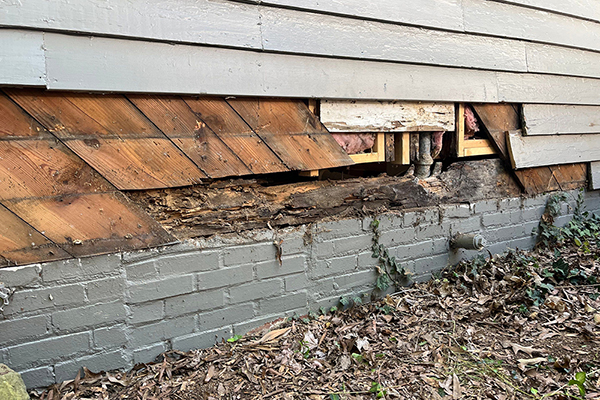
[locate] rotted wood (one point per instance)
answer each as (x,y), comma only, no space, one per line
(91,223)
(292,132)
(176,120)
(240,205)
(113,136)
(21,244)
(218,116)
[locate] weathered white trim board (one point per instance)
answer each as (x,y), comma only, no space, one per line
(537,151)
(595,175)
(22,58)
(386,116)
(550,119)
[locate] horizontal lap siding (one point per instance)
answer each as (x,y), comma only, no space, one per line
(350,49)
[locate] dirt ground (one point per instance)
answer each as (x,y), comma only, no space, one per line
(518,326)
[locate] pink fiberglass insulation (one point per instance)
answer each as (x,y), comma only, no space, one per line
(354,143)
(437,141)
(471,124)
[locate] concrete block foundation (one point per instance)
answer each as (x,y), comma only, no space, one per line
(112,311)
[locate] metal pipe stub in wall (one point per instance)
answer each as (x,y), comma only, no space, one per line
(472,241)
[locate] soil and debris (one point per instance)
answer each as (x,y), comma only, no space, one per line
(524,325)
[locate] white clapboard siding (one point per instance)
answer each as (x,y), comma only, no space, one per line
(507,20)
(215,22)
(22,58)
(588,9)
(386,116)
(105,64)
(343,37)
(536,88)
(595,175)
(562,60)
(550,119)
(537,151)
(480,16)
(445,14)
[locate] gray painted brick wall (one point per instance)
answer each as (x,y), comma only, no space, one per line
(113,311)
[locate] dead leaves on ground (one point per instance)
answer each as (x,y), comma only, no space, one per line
(474,333)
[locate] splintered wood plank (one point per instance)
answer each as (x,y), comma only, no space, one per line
(38,168)
(21,244)
(91,223)
(386,116)
(132,164)
(551,119)
(70,115)
(292,132)
(14,122)
(176,120)
(556,177)
(218,115)
(498,119)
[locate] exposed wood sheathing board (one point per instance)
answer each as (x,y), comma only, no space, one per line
(535,151)
(21,244)
(386,116)
(550,119)
(218,115)
(110,134)
(54,205)
(292,132)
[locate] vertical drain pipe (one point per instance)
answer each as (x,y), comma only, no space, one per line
(425,161)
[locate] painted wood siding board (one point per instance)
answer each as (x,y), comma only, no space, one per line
(103,64)
(446,14)
(381,116)
(595,175)
(588,9)
(506,20)
(535,151)
(550,119)
(344,37)
(22,58)
(536,88)
(195,21)
(562,61)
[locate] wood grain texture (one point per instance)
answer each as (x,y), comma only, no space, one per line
(535,151)
(102,64)
(550,119)
(21,244)
(595,175)
(22,57)
(112,136)
(194,21)
(562,61)
(292,132)
(91,223)
(15,123)
(498,119)
(176,120)
(134,164)
(73,115)
(386,116)
(548,89)
(218,115)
